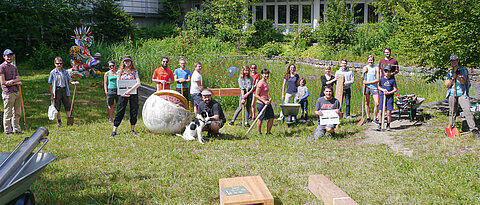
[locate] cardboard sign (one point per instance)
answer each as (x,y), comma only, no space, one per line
(124,85)
(329,117)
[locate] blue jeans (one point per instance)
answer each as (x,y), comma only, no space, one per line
(304,107)
(347,94)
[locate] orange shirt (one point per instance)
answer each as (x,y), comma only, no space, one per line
(163,74)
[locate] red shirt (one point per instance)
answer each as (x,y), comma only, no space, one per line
(256,78)
(392,62)
(163,74)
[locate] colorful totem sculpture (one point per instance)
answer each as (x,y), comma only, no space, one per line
(82,61)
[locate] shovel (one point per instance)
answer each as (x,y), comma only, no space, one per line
(70,118)
(363,109)
(23,109)
(450,131)
(259,114)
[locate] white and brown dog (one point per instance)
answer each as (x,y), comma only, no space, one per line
(194,128)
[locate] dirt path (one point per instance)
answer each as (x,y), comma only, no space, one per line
(374,137)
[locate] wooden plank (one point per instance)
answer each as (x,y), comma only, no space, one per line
(219,92)
(259,193)
(327,191)
(339,90)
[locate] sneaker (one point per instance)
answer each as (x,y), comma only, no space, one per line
(388,127)
(113,134)
(110,120)
(368,120)
(475,133)
(59,123)
(247,125)
(376,121)
(348,117)
(9,133)
(231,123)
(379,127)
(280,118)
(134,133)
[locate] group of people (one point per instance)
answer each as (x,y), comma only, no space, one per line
(378,82)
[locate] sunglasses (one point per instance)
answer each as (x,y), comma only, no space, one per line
(164,61)
(59,63)
(111,66)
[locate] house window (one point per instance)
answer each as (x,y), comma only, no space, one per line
(271,12)
(372,15)
(259,13)
(282,14)
(293,14)
(358,14)
(306,13)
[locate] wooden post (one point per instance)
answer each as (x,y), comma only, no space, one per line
(326,190)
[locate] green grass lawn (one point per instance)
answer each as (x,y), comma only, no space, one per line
(91,168)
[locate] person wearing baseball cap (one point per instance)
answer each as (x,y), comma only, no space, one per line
(9,78)
(458,85)
(216,119)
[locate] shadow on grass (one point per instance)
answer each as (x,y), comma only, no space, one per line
(224,136)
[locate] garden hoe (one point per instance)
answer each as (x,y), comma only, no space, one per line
(450,131)
(363,108)
(70,118)
(23,109)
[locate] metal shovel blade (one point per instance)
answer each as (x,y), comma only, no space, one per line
(452,132)
(70,121)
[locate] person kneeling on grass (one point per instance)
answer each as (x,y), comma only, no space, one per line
(216,118)
(327,102)
(388,86)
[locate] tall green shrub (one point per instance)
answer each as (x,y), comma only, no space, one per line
(201,22)
(338,27)
(264,31)
(111,23)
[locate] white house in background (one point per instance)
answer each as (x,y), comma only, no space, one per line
(287,14)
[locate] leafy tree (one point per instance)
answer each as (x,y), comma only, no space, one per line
(264,31)
(431,31)
(171,11)
(27,24)
(233,15)
(112,23)
(201,22)
(338,27)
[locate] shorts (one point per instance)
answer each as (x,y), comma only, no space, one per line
(220,124)
(112,97)
(389,102)
(371,91)
(197,98)
(268,114)
(61,97)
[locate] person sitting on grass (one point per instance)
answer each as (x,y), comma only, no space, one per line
(302,98)
(216,118)
(388,86)
(327,102)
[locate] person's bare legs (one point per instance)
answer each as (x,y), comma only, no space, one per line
(269,125)
(367,105)
(259,126)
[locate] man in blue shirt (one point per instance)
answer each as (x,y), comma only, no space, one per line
(182,77)
(458,85)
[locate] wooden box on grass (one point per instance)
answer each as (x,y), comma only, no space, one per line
(326,190)
(258,191)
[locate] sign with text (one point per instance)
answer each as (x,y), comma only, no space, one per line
(329,117)
(124,85)
(235,190)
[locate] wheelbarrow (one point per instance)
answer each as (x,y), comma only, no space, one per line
(408,104)
(290,112)
(20,168)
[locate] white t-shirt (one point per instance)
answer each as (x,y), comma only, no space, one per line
(194,86)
